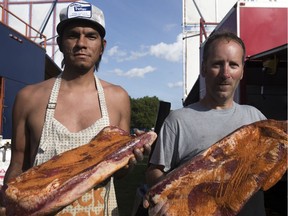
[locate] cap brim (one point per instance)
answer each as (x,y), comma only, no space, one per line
(62,25)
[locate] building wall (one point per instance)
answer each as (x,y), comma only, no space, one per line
(22,62)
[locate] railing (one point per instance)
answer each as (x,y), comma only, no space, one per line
(28,28)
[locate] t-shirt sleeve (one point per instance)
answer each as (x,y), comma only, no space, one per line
(254,114)
(164,150)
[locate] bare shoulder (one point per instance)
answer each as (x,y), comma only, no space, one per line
(115,91)
(36,89)
(118,104)
(117,98)
(34,93)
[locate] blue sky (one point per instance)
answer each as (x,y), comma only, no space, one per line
(144,48)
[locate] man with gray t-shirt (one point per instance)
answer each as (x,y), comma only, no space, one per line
(188,131)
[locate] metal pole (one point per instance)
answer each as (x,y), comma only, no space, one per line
(198,10)
(45,24)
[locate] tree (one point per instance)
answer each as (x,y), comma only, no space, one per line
(144,112)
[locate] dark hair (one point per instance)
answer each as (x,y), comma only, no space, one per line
(222,35)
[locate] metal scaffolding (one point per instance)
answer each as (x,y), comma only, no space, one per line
(35,20)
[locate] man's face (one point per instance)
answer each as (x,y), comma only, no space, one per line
(81,46)
(223,70)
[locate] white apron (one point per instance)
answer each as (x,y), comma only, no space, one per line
(56,138)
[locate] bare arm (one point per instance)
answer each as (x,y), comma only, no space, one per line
(118,103)
(154,174)
(121,103)
(125,112)
(19,138)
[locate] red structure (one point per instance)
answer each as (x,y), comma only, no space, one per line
(36,35)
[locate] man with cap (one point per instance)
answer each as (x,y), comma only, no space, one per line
(67,111)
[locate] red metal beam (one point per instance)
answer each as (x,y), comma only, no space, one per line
(203,24)
(28,25)
(39,2)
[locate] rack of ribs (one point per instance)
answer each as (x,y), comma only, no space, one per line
(221,179)
(66,177)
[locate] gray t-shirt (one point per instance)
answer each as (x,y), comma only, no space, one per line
(192,129)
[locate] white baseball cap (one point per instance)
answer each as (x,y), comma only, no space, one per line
(85,11)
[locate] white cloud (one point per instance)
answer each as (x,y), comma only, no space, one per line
(175,85)
(121,55)
(135,72)
(116,52)
(135,55)
(170,52)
